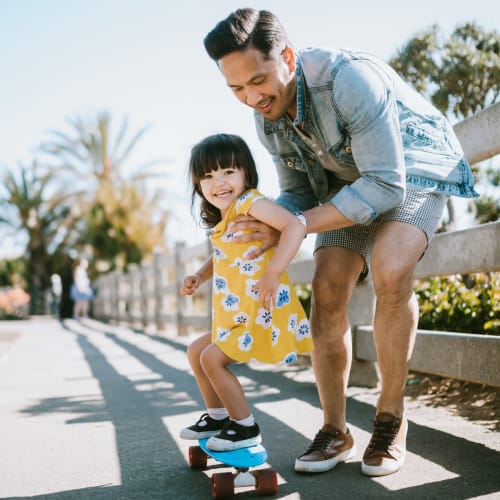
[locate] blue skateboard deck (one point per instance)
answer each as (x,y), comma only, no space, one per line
(244,457)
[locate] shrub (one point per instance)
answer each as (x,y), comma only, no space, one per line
(13,303)
(460,303)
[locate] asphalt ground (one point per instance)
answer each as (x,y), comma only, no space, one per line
(92,411)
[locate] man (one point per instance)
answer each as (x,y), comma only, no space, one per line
(371,164)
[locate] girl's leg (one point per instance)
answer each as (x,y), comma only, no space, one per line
(77,309)
(225,384)
(85,308)
(194,354)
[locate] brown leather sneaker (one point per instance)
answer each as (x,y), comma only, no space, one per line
(386,451)
(329,447)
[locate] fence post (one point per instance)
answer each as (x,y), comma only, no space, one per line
(361,312)
(158,280)
(209,292)
(145,271)
(123,296)
(180,300)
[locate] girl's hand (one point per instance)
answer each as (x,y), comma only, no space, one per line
(267,287)
(258,231)
(190,284)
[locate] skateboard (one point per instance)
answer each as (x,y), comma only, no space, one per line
(223,484)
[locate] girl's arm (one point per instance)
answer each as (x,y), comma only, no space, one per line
(292,235)
(192,282)
(206,271)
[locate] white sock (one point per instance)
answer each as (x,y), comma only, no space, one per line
(217,413)
(247,422)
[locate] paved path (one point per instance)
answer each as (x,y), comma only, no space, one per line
(92,411)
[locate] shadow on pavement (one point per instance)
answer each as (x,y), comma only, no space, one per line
(153,467)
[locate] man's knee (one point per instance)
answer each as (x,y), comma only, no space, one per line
(391,277)
(329,294)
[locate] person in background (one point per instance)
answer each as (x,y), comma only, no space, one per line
(81,291)
(256,314)
(372,164)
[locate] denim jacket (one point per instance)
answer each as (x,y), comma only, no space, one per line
(378,133)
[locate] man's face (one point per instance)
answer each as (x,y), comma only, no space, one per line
(266,85)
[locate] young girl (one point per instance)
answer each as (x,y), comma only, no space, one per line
(256,314)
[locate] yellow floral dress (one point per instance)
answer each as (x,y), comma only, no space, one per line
(241,327)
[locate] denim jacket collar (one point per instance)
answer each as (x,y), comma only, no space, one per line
(301,92)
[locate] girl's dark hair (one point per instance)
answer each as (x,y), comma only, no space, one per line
(244,28)
(212,153)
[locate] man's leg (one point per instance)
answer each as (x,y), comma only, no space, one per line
(397,248)
(336,273)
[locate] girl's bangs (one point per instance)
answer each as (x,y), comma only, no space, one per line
(212,157)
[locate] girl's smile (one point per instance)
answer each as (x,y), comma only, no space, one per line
(221,187)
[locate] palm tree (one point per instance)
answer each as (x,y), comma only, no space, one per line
(123,217)
(34,205)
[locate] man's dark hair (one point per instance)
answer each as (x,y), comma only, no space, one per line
(246,28)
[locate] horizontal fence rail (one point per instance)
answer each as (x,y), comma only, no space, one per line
(148,295)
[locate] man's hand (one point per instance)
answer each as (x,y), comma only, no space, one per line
(267,235)
(190,284)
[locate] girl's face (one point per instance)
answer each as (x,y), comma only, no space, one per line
(221,187)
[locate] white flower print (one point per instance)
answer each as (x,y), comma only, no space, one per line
(219,254)
(220,285)
(264,318)
(254,294)
(245,342)
(275,334)
(241,318)
(283,296)
(290,358)
(231,302)
(246,266)
(222,334)
(303,330)
(246,196)
(229,236)
(292,322)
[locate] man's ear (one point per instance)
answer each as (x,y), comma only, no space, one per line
(289,57)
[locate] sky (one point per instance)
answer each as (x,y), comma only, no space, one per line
(144,60)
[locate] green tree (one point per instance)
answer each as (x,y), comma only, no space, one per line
(13,273)
(488,205)
(34,205)
(121,214)
(460,75)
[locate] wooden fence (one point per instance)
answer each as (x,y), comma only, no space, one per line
(148,295)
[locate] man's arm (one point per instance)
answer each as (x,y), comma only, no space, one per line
(296,195)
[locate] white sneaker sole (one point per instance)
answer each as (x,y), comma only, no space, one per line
(324,465)
(383,470)
(190,434)
(216,444)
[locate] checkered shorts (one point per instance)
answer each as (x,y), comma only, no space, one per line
(420,208)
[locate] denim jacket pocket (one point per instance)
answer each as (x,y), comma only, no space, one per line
(343,152)
(293,161)
(425,136)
